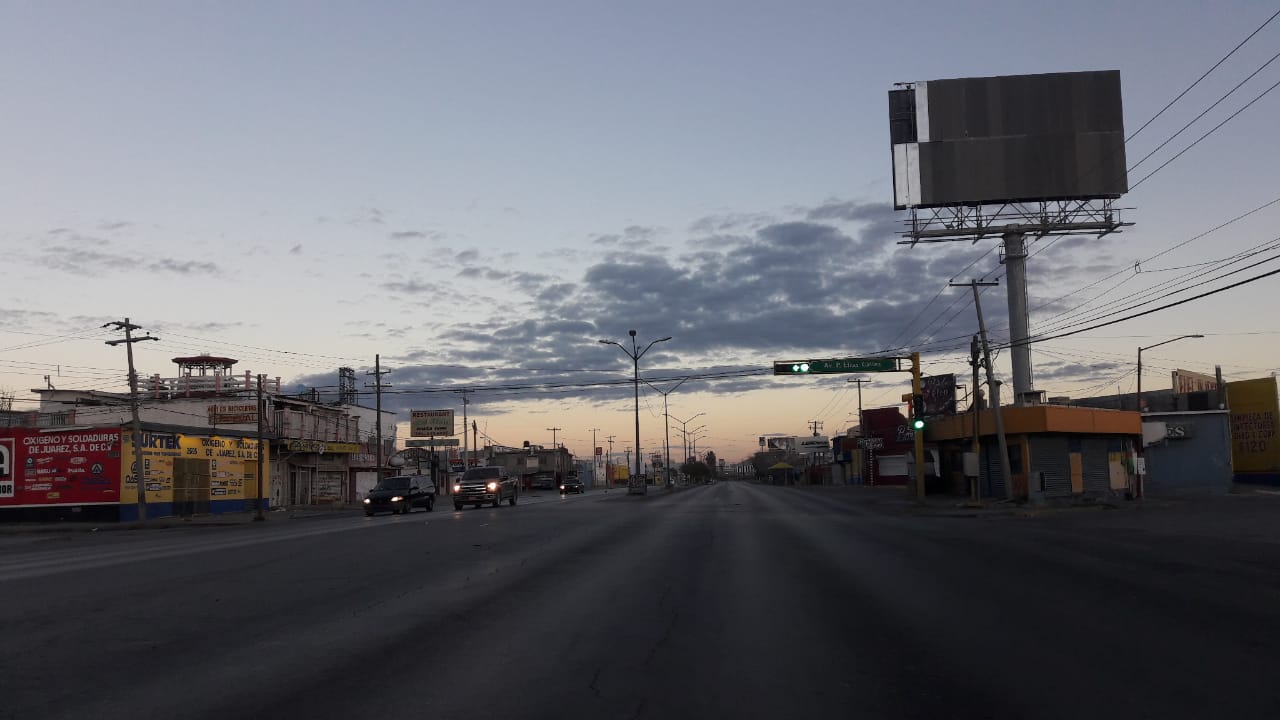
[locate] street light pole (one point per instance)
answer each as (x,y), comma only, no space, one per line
(1140,490)
(635,354)
(666,426)
(1166,342)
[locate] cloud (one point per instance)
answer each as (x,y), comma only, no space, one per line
(714,224)
(744,289)
(113,226)
(411,287)
(407,235)
(848,210)
(296,249)
(88,262)
(184,267)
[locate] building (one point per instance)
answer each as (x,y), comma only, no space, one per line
(317,453)
(1054,451)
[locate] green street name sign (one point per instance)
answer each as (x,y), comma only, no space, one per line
(834,365)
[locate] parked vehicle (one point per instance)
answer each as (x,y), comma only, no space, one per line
(543,480)
(572,484)
(483,485)
(401,494)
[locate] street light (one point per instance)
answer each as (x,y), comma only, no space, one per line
(1140,489)
(635,354)
(1166,342)
(684,431)
(666,426)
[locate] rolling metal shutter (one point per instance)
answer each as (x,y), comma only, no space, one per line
(1051,456)
(1096,466)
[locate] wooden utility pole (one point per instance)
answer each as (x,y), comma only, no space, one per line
(994,386)
(377,374)
(128,341)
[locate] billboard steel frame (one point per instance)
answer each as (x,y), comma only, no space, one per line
(1040,219)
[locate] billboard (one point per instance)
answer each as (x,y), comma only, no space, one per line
(77,467)
(1254,410)
(1186,381)
(430,423)
(969,141)
(939,394)
(813,445)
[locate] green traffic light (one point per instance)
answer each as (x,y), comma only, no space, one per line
(918,424)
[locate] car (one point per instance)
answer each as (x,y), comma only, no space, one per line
(401,494)
(572,484)
(484,485)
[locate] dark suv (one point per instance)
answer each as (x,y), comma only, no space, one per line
(401,495)
(572,484)
(484,485)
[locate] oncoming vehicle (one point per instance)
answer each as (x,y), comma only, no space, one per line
(401,494)
(483,485)
(572,484)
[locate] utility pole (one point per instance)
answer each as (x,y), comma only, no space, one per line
(465,465)
(975,408)
(815,426)
(595,461)
(861,382)
(608,460)
(377,374)
(258,514)
(475,442)
(555,452)
(128,341)
(994,384)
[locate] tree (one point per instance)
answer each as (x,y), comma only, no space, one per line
(696,470)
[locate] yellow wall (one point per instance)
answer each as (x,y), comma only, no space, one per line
(233,465)
(1254,411)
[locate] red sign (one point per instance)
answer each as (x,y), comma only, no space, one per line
(599,451)
(69,467)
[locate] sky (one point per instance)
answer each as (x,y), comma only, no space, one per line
(479,192)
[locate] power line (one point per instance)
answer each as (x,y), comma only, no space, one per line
(1211,131)
(1153,310)
(1202,77)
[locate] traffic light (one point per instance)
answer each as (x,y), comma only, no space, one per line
(917,412)
(793,367)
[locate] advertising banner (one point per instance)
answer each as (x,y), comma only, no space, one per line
(75,467)
(1254,412)
(201,468)
(429,423)
(939,394)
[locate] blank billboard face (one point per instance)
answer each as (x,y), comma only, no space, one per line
(972,141)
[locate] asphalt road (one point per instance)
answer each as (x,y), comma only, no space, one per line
(728,601)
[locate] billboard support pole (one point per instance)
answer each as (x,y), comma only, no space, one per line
(1015,262)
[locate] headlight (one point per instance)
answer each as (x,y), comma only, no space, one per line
(397,498)
(457,488)
(561,487)
(366,501)
(493,486)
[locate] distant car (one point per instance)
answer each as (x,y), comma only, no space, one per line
(401,494)
(571,485)
(484,485)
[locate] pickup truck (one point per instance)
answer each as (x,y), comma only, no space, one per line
(484,485)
